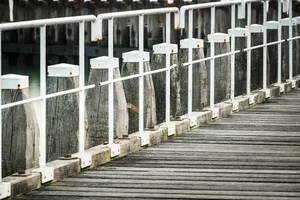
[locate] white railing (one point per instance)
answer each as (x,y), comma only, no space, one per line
(179,22)
(42,98)
(97,35)
(96,24)
(287,6)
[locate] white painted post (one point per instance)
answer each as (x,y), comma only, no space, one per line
(0,105)
(249,51)
(42,148)
(81,85)
(212,61)
(290,41)
(11,10)
(265,46)
(279,44)
(141,71)
(111,84)
(168,75)
(190,69)
(232,75)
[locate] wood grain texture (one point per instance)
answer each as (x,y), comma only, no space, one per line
(131,88)
(62,118)
(253,155)
(158,61)
(222,72)
(200,81)
(20,134)
(97,108)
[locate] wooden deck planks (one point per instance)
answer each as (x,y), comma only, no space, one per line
(254,154)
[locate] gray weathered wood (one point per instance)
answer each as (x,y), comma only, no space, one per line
(20,134)
(131,88)
(240,62)
(62,118)
(97,108)
(222,72)
(233,158)
(200,81)
(159,80)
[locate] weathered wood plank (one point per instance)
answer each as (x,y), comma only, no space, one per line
(159,80)
(249,155)
(20,133)
(200,81)
(62,118)
(131,88)
(97,108)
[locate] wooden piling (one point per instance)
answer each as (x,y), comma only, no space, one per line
(222,72)
(97,103)
(240,62)
(62,111)
(200,79)
(131,87)
(256,54)
(20,131)
(158,61)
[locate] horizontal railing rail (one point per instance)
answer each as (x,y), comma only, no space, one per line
(287,7)
(179,22)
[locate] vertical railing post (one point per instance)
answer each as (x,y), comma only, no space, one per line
(111,84)
(232,74)
(265,46)
(212,61)
(249,50)
(279,44)
(190,68)
(290,41)
(0,105)
(42,147)
(81,85)
(168,75)
(141,71)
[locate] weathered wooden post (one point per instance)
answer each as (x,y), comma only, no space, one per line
(200,81)
(97,102)
(131,66)
(20,131)
(159,80)
(256,54)
(240,58)
(222,67)
(62,111)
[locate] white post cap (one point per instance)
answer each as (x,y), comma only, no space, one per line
(162,48)
(14,81)
(63,70)
(238,32)
(196,43)
(218,37)
(134,56)
(103,62)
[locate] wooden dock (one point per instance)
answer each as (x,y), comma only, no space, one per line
(254,154)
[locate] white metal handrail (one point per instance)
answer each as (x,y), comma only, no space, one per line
(179,21)
(97,35)
(42,125)
(237,51)
(212,6)
(136,75)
